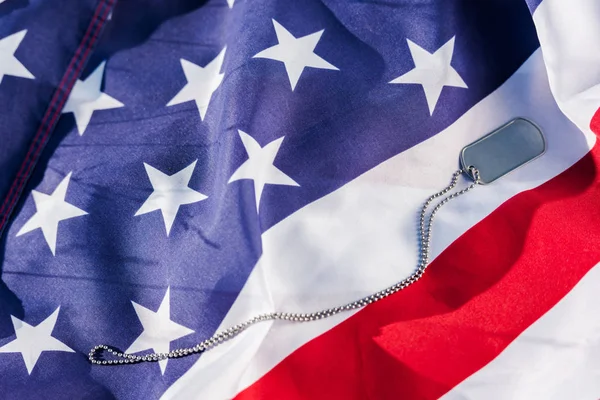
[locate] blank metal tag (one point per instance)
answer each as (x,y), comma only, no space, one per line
(504,150)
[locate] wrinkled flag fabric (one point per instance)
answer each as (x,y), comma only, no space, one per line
(169,169)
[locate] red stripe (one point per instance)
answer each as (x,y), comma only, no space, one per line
(478,296)
(55,107)
(595,125)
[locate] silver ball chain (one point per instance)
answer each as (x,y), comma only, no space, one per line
(118,358)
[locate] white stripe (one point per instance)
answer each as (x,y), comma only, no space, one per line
(361,238)
(569,34)
(558,357)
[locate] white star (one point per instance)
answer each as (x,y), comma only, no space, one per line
(432,71)
(295,53)
(259,166)
(230,3)
(202,83)
(31,341)
(51,209)
(159,331)
(170,192)
(86,97)
(9,65)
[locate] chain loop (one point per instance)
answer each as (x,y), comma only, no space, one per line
(119,358)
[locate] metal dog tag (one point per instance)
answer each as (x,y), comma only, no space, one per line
(504,150)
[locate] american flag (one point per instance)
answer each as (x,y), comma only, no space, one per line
(171,168)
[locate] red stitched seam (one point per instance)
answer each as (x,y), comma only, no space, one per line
(50,111)
(79,67)
(38,143)
(62,102)
(61,85)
